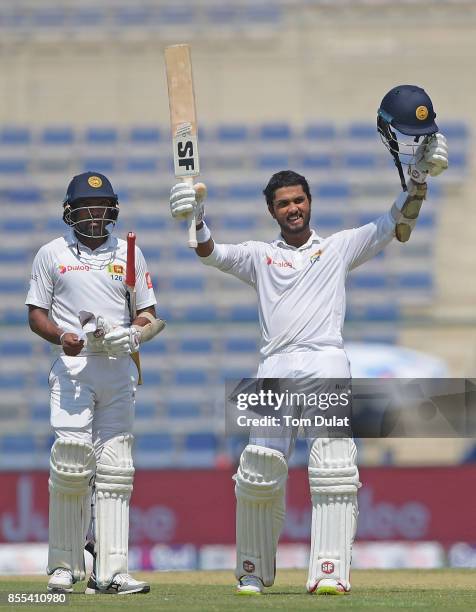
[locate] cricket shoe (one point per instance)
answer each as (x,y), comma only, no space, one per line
(328,586)
(249,585)
(122,584)
(61,581)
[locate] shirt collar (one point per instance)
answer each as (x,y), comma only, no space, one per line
(313,238)
(72,240)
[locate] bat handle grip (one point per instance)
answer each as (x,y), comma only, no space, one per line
(192,225)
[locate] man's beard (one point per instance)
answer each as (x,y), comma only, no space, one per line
(289,229)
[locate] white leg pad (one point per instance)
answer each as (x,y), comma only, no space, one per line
(72,466)
(260,506)
(114,478)
(334,481)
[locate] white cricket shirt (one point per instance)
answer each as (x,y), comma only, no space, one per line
(301,291)
(68,277)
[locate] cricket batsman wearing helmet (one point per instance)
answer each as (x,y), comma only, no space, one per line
(300,280)
(77,302)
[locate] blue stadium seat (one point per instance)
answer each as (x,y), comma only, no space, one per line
(15,348)
(142,164)
(380,312)
(196,345)
(182,253)
(181,15)
(56,224)
(47,17)
(18,225)
(182,410)
(15,136)
(57,136)
(415,280)
(151,223)
(187,283)
(151,376)
(144,135)
(232,133)
(239,222)
(201,314)
(152,253)
(145,410)
(16,255)
(13,166)
(88,17)
(243,314)
(360,161)
(15,316)
(185,377)
(23,195)
(101,135)
(134,16)
(153,442)
(104,165)
(241,345)
(14,285)
(263,14)
(201,441)
(330,221)
(363,131)
(454,130)
(157,347)
(273,161)
(18,443)
(368,281)
(244,191)
(40,412)
(316,160)
(275,131)
(333,190)
(320,131)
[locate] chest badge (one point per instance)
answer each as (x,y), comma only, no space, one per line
(316,257)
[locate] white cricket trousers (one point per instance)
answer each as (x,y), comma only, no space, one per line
(92,398)
(328,362)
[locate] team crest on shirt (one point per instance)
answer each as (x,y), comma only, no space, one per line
(116,271)
(316,256)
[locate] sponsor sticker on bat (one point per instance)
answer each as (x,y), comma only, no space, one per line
(186,155)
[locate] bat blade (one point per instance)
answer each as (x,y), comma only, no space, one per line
(183,120)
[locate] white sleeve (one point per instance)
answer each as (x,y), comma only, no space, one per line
(361,244)
(41,288)
(145,295)
(235,259)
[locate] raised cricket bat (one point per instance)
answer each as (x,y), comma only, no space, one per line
(131,291)
(183,121)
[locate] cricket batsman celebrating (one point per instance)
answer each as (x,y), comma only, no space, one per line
(77,301)
(300,279)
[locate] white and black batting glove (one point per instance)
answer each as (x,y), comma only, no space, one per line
(122,340)
(431,158)
(188,199)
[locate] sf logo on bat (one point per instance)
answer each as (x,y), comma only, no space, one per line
(186,155)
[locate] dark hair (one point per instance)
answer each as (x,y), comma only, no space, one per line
(284,178)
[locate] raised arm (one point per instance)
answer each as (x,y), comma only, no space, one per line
(236,259)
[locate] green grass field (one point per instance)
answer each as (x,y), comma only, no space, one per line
(213,591)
